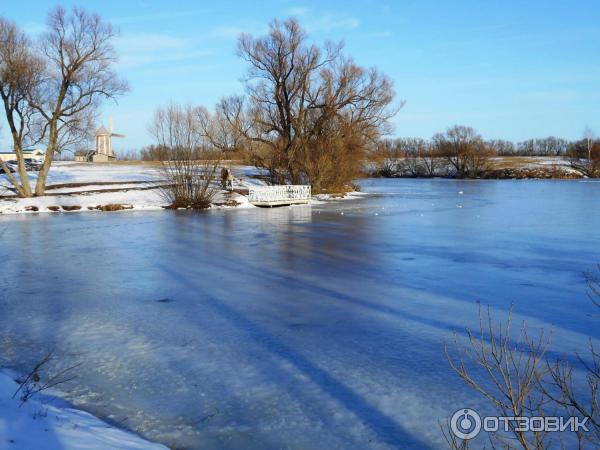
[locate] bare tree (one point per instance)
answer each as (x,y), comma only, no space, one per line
(413,157)
(588,135)
(80,59)
(465,151)
(386,158)
(20,72)
(305,105)
(502,147)
(190,174)
(153,153)
(219,132)
(511,367)
(421,158)
(584,155)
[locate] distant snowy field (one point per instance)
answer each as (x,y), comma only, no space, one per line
(47,422)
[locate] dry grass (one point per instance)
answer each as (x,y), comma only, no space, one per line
(156,164)
(113,207)
(519,162)
(91,183)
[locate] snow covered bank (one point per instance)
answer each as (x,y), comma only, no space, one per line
(81,187)
(76,187)
(138,199)
(47,422)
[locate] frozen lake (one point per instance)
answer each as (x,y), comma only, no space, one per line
(308,327)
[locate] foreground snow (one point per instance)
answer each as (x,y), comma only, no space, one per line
(47,422)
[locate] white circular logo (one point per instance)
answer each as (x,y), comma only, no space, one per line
(465,424)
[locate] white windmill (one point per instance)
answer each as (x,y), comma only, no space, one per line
(104,150)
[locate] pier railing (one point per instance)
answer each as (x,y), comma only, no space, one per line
(279,195)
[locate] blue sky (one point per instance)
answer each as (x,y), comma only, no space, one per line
(511,69)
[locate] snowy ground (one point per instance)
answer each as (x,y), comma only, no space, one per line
(134,185)
(532,162)
(49,423)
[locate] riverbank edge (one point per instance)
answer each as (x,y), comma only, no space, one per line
(236,202)
(551,173)
(48,419)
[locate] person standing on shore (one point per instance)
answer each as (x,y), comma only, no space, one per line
(224,177)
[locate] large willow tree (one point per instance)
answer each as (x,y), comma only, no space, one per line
(310,113)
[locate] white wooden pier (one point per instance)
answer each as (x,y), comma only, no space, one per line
(270,196)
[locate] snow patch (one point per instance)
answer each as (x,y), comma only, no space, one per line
(48,422)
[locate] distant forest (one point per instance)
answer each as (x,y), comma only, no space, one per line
(549,146)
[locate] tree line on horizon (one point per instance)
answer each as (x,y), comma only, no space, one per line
(463,153)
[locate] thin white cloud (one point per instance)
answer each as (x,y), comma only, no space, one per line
(159,16)
(233,31)
(227,32)
(331,22)
(298,11)
(179,69)
(142,49)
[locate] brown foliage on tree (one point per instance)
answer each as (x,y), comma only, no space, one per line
(465,151)
(310,113)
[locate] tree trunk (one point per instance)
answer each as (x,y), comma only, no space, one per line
(23,188)
(40,187)
(23,176)
(12,179)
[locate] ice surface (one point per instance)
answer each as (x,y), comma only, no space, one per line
(296,327)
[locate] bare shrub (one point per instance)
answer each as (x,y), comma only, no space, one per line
(560,388)
(584,157)
(511,368)
(41,377)
(520,379)
(594,288)
(189,173)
